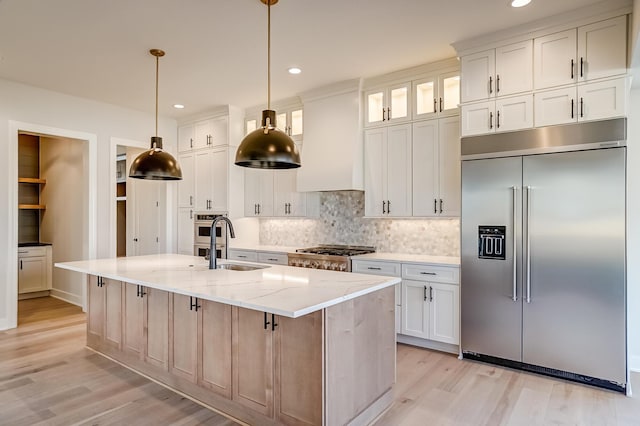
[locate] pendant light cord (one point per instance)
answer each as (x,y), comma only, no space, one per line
(157,72)
(268,54)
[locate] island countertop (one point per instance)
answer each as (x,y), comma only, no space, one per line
(280,290)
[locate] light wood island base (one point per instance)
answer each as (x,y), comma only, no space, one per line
(335,366)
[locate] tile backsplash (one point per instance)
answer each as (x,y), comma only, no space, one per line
(341,221)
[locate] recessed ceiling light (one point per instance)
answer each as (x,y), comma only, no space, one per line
(294,70)
(178,106)
(519,3)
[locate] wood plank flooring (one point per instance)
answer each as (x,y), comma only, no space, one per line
(48,377)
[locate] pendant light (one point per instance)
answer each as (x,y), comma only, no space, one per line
(155,163)
(268,147)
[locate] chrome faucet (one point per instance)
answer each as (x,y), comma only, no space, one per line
(212,245)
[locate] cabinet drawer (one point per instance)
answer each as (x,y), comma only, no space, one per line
(246,255)
(274,258)
(32,251)
(375,268)
(440,274)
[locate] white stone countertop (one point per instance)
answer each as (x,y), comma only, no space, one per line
(280,290)
(411,258)
(258,247)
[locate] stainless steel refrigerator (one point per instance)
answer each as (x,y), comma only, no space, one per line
(543,281)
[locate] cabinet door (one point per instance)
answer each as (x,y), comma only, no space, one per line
(415,308)
(203,178)
(219,166)
(252,348)
(514,113)
(449,167)
(185,138)
(186,186)
(95,309)
(555,107)
(250,124)
(185,231)
(286,200)
(398,171)
(554,59)
(375,141)
(298,353)
(214,347)
(602,49)
(113,313)
(133,322)
(219,131)
(604,99)
(296,124)
(156,328)
(184,342)
(449,94)
(32,274)
(258,192)
(398,104)
(425,168)
(375,106)
(478,119)
(203,131)
(425,94)
(514,68)
(444,311)
(477,76)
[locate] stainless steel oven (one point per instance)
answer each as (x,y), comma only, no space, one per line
(202,234)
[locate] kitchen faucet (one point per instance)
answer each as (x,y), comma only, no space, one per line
(212,245)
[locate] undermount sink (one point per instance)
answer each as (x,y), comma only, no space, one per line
(239,267)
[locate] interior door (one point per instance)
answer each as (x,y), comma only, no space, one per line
(574,319)
(491,318)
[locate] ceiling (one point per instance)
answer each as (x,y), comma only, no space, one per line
(216,49)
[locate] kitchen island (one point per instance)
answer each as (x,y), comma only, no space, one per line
(276,345)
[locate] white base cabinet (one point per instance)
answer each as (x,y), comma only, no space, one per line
(34,269)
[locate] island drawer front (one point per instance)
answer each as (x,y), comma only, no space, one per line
(375,268)
(32,251)
(246,255)
(274,258)
(441,274)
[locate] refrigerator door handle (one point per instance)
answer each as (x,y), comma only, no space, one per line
(515,244)
(528,244)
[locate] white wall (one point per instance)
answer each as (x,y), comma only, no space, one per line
(63,165)
(26,104)
(633,230)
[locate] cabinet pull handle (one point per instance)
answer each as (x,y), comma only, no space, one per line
(388,114)
(266,323)
(435,205)
(383,207)
(425,293)
(572,76)
(191,142)
(430,294)
(572,102)
(440,205)
(498,119)
(273,322)
(498,83)
(255,209)
(435,105)
(388,207)
(428,273)
(193,304)
(190,214)
(440,104)
(190,200)
(581,67)
(383,111)
(272,259)
(258,208)
(374,268)
(21,264)
(490,120)
(138,291)
(490,84)
(581,107)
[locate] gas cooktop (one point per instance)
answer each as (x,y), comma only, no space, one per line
(338,250)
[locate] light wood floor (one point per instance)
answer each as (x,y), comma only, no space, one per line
(47,376)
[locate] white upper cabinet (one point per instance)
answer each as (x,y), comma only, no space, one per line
(258,192)
(589,52)
(289,119)
(497,72)
(286,200)
(602,49)
(602,99)
(210,133)
(477,75)
(388,171)
(555,59)
(186,187)
(388,105)
(555,107)
(514,113)
(186,134)
(203,176)
(478,118)
(436,96)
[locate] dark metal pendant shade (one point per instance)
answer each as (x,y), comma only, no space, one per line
(155,164)
(268,147)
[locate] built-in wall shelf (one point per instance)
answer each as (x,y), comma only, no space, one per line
(32,180)
(32,207)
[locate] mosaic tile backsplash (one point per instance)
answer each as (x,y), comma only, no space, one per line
(341,221)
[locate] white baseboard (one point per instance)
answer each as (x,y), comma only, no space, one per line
(74,299)
(4,324)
